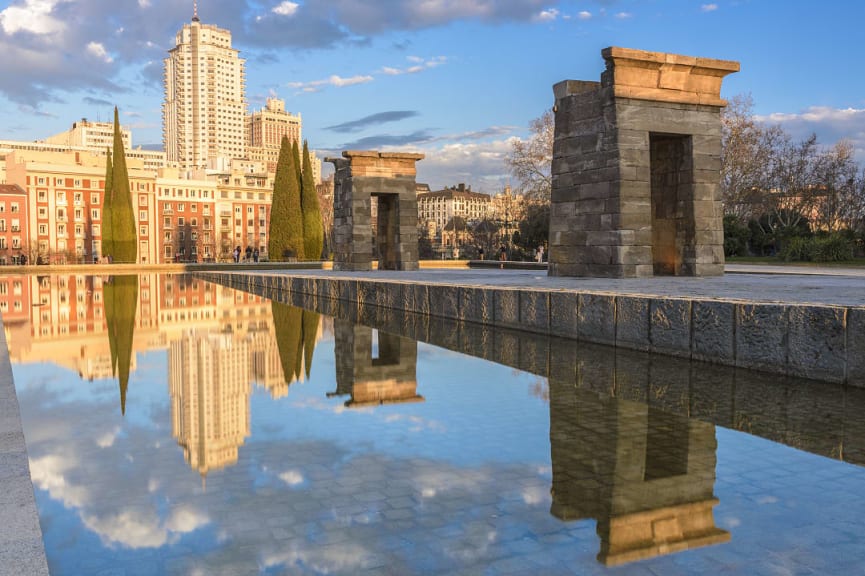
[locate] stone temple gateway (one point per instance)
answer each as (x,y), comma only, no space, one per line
(636,168)
(390,177)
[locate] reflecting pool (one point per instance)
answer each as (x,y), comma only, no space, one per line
(214,431)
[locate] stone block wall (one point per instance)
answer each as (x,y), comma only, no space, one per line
(389,176)
(636,169)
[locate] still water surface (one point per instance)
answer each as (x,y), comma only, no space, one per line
(217,433)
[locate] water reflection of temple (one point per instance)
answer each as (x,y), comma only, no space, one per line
(646,476)
(374,367)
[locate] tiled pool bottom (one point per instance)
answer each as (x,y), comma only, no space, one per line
(392,457)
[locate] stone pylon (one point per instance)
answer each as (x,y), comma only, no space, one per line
(636,168)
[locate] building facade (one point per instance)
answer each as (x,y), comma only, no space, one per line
(443,205)
(265,129)
(14,223)
(204,112)
(91,135)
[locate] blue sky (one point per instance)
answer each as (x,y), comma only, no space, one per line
(455,79)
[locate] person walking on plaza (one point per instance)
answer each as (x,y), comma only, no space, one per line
(539,256)
(236,254)
(481,252)
(248,254)
(255,254)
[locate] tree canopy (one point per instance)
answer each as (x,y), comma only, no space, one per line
(285,237)
(313,233)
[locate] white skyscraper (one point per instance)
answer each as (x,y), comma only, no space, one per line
(204,112)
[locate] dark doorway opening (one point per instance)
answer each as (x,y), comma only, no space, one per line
(672,173)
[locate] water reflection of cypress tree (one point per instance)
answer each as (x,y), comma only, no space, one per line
(120,296)
(288,325)
(311,321)
(295,330)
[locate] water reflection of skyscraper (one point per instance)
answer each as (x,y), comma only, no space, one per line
(646,476)
(211,376)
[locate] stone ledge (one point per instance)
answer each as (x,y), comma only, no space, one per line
(819,342)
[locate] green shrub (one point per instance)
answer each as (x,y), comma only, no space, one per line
(736,236)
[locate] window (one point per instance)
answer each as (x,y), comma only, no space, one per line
(194,221)
(94,198)
(94,213)
(181,206)
(142,215)
(61,229)
(79,214)
(142,200)
(79,197)
(181,221)
(61,197)
(42,195)
(96,229)
(43,229)
(166,222)
(14,207)
(194,207)
(167,236)
(142,231)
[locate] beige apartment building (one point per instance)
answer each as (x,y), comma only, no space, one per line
(93,135)
(204,112)
(265,129)
(441,206)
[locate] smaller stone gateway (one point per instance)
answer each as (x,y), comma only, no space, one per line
(389,176)
(636,168)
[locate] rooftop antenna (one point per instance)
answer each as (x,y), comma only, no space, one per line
(195,11)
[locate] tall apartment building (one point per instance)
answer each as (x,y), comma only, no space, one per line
(265,129)
(204,112)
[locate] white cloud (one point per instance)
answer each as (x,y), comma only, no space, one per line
(623,15)
(709,7)
(419,65)
(829,124)
(534,495)
(584,15)
(97,50)
(480,163)
(286,8)
(144,3)
(33,17)
(291,477)
(49,474)
(351,81)
(107,439)
(547,15)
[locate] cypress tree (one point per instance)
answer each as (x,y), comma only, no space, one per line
(286,218)
(298,163)
(119,219)
(108,207)
(313,231)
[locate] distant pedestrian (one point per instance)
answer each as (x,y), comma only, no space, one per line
(248,254)
(255,254)
(236,254)
(503,253)
(539,256)
(481,252)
